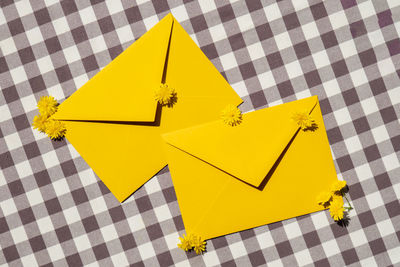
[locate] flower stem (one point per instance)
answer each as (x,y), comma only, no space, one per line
(348,202)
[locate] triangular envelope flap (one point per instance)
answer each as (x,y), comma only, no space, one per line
(124,89)
(247,151)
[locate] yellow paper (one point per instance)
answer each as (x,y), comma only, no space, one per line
(114,122)
(229,179)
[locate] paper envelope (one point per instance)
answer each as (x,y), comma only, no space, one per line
(114,121)
(264,170)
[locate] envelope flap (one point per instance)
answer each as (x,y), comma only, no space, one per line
(124,89)
(247,151)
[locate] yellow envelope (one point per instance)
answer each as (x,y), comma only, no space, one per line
(114,121)
(264,170)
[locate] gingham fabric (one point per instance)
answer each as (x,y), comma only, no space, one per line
(56,212)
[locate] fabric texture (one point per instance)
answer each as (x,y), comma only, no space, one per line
(55,211)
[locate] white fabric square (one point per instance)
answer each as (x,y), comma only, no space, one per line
(368,262)
(163,213)
(29,260)
(358,77)
(87,177)
(358,238)
(82,243)
(364,172)
(303,257)
(24,8)
(275,263)
(211,258)
(266,79)
(7,46)
(366,9)
(34,36)
(98,205)
(8,207)
(61,25)
(18,75)
(310,30)
(353,144)
(18,234)
(2,178)
(136,223)
(98,44)
(394,96)
(394,255)
(45,64)
(386,227)
(29,103)
(331,248)
(283,40)
(376,38)
(45,225)
(237,249)
(61,187)
(245,22)
(300,4)
(265,240)
(50,159)
(303,94)
(146,251)
(149,22)
(13,141)
(109,232)
(292,230)
(319,220)
(386,66)
(321,59)
(374,200)
(240,88)
(228,61)
(391,162)
(87,15)
(338,20)
(152,186)
(256,51)
(81,80)
(114,6)
(331,88)
(71,215)
(369,105)
(5,114)
(24,169)
(272,12)
(56,92)
(207,6)
(120,259)
(294,69)
(180,13)
(217,32)
(380,134)
(125,34)
(348,48)
(342,116)
(172,240)
(72,54)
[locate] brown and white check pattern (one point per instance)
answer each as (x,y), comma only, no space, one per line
(54,211)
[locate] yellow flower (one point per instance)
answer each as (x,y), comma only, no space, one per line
(186,242)
(336,209)
(165,95)
(39,122)
(199,245)
(231,115)
(55,129)
(303,120)
(324,198)
(47,105)
(338,186)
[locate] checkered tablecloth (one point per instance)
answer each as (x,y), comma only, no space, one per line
(55,211)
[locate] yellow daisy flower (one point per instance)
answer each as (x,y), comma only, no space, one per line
(55,129)
(199,245)
(165,95)
(47,105)
(231,115)
(338,186)
(39,122)
(336,209)
(324,198)
(303,120)
(186,242)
